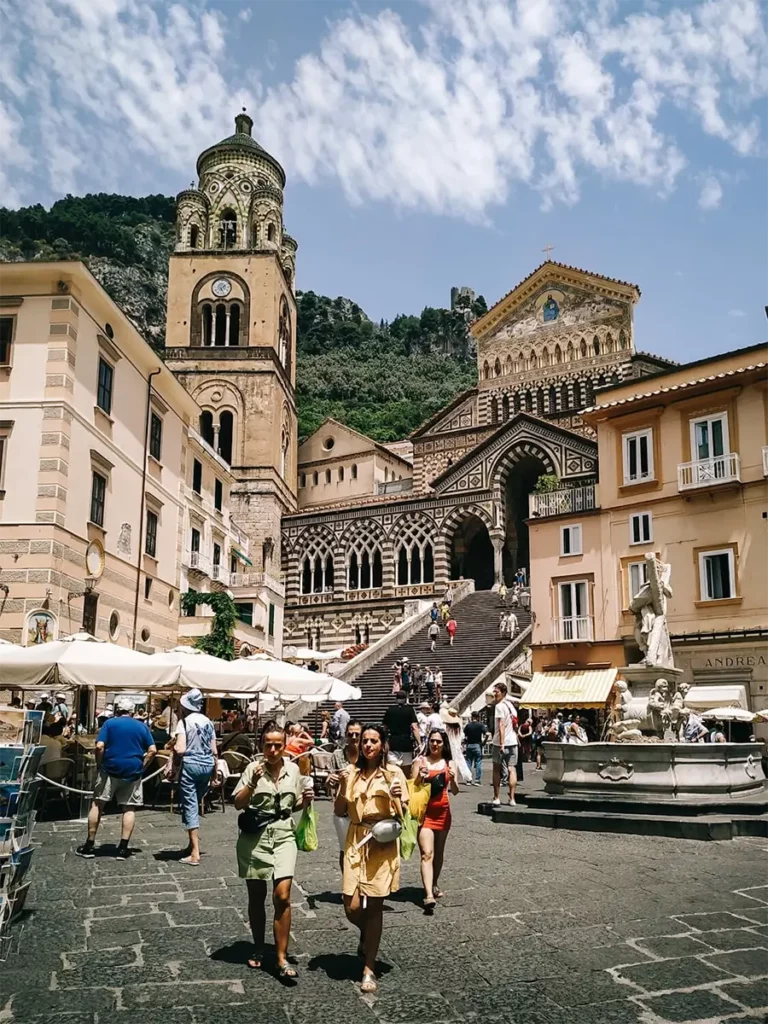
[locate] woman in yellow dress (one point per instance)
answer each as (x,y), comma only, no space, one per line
(268,792)
(369,792)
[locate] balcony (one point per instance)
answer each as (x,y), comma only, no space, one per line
(198,562)
(562,502)
(220,574)
(721,469)
(573,629)
(253,580)
(765,461)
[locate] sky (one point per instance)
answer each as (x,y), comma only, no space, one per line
(430,143)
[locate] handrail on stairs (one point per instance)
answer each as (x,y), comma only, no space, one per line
(504,660)
(395,637)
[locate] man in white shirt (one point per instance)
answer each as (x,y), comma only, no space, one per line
(504,748)
(512,625)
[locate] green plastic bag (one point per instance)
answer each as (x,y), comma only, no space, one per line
(409,836)
(306,830)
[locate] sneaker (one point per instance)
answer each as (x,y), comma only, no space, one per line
(123,853)
(496,802)
(86,850)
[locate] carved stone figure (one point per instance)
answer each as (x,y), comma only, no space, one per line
(658,706)
(649,607)
(678,712)
(625,729)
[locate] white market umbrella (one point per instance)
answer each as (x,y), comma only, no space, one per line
(212,675)
(82,660)
(289,682)
(728,715)
(307,654)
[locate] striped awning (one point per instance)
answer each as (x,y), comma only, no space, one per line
(579,688)
(241,556)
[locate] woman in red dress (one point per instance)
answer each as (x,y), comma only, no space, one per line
(436,769)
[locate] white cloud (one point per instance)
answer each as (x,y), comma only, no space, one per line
(736,313)
(446,116)
(711,193)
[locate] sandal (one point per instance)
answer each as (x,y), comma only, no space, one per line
(255,960)
(429,905)
(287,973)
(369,983)
(438,893)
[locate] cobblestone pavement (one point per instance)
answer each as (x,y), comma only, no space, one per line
(537,927)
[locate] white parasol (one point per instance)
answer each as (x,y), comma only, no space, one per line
(82,660)
(240,677)
(307,654)
(728,714)
(289,682)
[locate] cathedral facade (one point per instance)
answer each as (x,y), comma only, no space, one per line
(357,529)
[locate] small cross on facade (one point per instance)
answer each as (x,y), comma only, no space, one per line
(548,249)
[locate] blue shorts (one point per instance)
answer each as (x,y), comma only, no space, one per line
(193,785)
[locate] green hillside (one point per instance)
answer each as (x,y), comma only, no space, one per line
(382,379)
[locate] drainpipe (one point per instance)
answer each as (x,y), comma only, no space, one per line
(154,373)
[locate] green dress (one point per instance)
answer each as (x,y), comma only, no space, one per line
(271,854)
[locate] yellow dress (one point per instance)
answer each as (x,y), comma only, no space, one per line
(374,869)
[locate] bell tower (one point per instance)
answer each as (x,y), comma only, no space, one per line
(231,327)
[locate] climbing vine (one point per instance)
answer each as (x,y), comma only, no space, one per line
(220,641)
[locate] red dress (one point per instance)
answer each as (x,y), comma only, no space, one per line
(438,816)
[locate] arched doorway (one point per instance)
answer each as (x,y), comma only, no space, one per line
(472,553)
(520,481)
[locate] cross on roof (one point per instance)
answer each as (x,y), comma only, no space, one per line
(548,249)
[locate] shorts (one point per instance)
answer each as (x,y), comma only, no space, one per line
(503,755)
(125,792)
(402,758)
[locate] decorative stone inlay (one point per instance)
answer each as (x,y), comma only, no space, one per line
(616,770)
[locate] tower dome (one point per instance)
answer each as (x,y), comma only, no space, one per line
(242,142)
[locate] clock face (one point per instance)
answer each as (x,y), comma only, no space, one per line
(221,288)
(94,559)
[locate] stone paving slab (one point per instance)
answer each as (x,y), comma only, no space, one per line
(536,927)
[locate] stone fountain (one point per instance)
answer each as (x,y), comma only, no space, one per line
(646,768)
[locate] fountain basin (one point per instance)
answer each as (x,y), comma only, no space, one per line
(655,772)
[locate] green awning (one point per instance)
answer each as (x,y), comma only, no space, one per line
(241,556)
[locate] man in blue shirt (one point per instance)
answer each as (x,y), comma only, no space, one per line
(124,747)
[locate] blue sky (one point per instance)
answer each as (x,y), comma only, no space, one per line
(430,143)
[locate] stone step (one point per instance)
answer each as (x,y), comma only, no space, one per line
(702,827)
(740,806)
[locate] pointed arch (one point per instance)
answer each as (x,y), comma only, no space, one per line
(570,352)
(609,345)
(622,340)
(596,345)
(545,358)
(565,400)
(413,542)
(486,370)
(532,361)
(228,229)
(552,398)
(505,408)
(494,409)
(583,348)
(516,362)
(508,365)
(558,354)
(497,367)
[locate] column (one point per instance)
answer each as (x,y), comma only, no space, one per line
(226,326)
(216,429)
(498,547)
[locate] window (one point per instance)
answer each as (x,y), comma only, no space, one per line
(7,324)
(303,480)
(155,436)
(233,563)
(195,540)
(216,554)
(104,391)
(638,456)
(244,612)
(574,611)
(341,473)
(147,588)
(709,437)
(570,540)
(197,476)
(637,577)
(98,495)
(717,575)
(314,479)
(327,476)
(271,626)
(3,443)
(150,542)
(640,531)
(218,495)
(354,471)
(114,625)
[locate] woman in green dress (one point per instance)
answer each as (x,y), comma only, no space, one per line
(268,792)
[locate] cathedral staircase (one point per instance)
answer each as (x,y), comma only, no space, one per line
(476,645)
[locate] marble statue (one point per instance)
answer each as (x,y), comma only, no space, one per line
(625,728)
(649,606)
(678,712)
(658,706)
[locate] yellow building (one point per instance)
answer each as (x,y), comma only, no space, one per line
(93,436)
(682,462)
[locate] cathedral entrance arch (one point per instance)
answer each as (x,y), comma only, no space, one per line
(520,481)
(472,552)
